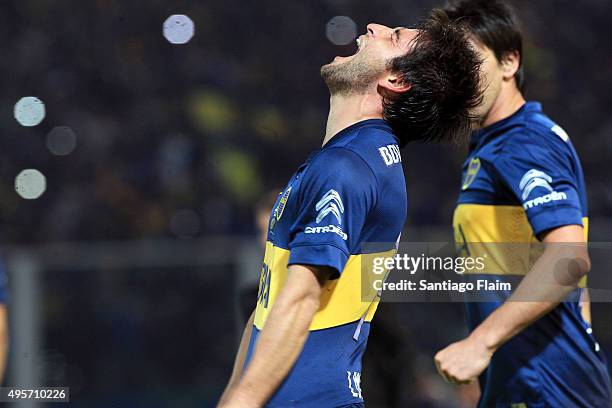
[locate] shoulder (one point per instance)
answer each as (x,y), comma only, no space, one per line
(377,147)
(369,155)
(534,143)
(340,163)
(536,138)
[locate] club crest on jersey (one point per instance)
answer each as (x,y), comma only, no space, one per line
(278,211)
(330,203)
(472,171)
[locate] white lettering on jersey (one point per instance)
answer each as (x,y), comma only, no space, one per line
(354,383)
(390,154)
(329,228)
(554,196)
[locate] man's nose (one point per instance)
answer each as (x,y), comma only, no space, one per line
(376,29)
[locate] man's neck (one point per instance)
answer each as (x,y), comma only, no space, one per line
(346,110)
(509,101)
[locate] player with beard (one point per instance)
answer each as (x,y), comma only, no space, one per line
(304,343)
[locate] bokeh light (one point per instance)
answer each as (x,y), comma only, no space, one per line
(239,174)
(61,140)
(178,29)
(185,223)
(30,184)
(269,123)
(29,111)
(341,30)
(213,112)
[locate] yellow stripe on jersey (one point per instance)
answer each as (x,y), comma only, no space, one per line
(342,301)
(502,235)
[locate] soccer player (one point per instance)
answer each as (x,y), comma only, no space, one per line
(523,184)
(304,344)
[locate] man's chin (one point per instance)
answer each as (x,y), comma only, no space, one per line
(350,75)
(340,60)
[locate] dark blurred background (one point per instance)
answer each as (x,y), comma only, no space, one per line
(126,270)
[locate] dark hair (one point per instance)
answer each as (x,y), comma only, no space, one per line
(444,73)
(494,23)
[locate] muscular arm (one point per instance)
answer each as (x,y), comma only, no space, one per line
(282,338)
(550,280)
(240,357)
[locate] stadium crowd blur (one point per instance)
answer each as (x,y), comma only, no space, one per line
(179,141)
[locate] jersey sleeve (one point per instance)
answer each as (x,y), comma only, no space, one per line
(542,178)
(336,195)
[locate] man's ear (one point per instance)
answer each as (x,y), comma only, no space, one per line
(391,83)
(510,63)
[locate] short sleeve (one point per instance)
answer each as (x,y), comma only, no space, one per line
(336,195)
(542,179)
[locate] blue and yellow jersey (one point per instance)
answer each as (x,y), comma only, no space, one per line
(350,192)
(523,177)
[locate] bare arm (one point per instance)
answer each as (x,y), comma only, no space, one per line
(550,280)
(282,338)
(4,340)
(240,357)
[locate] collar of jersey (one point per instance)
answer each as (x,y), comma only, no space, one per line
(338,137)
(482,134)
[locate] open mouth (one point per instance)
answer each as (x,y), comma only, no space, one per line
(359,43)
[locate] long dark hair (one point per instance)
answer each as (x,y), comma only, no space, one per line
(444,73)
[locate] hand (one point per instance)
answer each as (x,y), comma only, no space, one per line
(462,362)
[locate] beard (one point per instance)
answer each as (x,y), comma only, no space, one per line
(351,77)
